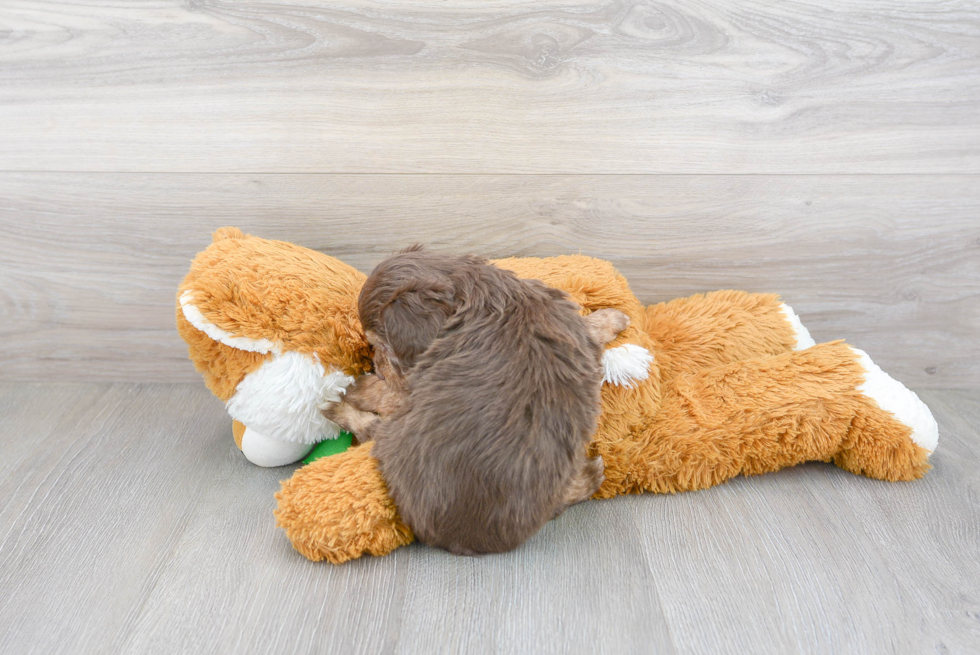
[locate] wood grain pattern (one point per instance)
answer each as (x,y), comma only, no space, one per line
(903,552)
(823,149)
(584,86)
(131,524)
(90,262)
(97,508)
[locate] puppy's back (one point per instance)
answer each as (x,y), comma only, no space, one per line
(501,408)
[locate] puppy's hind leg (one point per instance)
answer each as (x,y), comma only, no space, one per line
(605,325)
(583,484)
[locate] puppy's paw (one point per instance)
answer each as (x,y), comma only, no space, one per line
(350,418)
(365,393)
(584,484)
(606,324)
(595,471)
(336,412)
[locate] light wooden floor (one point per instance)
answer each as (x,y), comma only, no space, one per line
(131,524)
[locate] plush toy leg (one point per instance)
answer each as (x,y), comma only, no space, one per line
(761,415)
(338,509)
(720,328)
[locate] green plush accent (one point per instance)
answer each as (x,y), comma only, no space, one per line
(329,447)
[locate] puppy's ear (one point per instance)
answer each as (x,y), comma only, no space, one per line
(413,317)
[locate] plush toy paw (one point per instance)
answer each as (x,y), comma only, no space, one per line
(338,508)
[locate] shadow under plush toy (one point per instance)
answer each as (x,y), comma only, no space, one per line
(697,390)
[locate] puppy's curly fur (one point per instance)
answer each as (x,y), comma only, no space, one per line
(486,394)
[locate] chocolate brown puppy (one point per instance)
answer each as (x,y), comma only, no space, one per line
(485,396)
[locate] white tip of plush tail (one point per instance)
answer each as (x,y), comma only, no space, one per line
(626,365)
(893,396)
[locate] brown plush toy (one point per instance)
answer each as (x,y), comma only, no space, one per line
(697,390)
(273,328)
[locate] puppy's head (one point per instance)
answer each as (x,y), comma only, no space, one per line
(402,307)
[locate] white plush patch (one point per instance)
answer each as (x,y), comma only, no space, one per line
(803,338)
(626,364)
(282,399)
(265,451)
(196,318)
(893,396)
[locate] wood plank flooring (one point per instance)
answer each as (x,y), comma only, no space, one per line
(130,524)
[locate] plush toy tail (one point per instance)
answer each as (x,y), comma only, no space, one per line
(893,434)
(228,232)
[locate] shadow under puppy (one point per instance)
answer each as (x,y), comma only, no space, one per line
(484,398)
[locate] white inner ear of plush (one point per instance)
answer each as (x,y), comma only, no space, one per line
(626,364)
(893,396)
(282,398)
(196,318)
(803,338)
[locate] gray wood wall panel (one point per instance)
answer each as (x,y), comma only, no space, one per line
(89,263)
(515,86)
(130,523)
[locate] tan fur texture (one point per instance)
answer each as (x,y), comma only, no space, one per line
(592,283)
(321,532)
(727,394)
(731,397)
(716,328)
(299,299)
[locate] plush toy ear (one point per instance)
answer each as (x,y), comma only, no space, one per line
(413,317)
(227,232)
